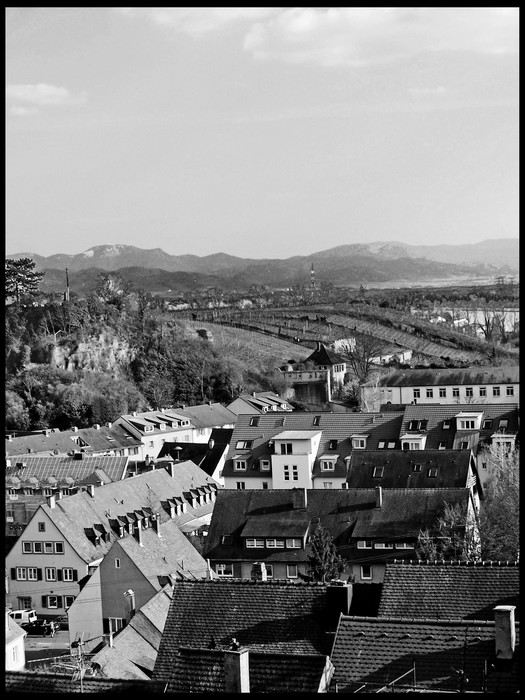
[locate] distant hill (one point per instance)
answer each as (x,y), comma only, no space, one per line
(346,265)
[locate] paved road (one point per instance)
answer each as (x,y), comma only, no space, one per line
(39,647)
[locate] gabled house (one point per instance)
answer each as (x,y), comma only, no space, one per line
(30,480)
(407,469)
(449,590)
(482,385)
(15,655)
(387,654)
(67,539)
(471,427)
(259,402)
(368,526)
(154,428)
(208,456)
(205,418)
(109,439)
(133,651)
(317,378)
(309,450)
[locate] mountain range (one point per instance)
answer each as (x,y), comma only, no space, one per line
(345,265)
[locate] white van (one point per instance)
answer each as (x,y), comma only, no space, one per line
(23,617)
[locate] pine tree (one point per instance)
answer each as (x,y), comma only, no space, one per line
(325,563)
(21,278)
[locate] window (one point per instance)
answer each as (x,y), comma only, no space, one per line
(366,572)
(332,445)
(243,444)
(381,445)
(328,484)
(446,424)
(455,392)
(483,465)
(383,545)
(32,573)
(67,575)
(404,545)
(482,390)
(265,484)
(265,465)
(364,544)
(359,443)
(378,472)
(467,424)
(239,465)
(291,570)
(293,543)
(430,393)
(241,485)
(10,516)
(59,547)
(442,392)
(269,570)
(469,392)
(115,624)
(117,563)
(48,548)
(252,542)
(432,472)
(273,543)
(28,492)
(51,573)
(417,467)
(286,448)
(327,465)
(417,393)
(38,547)
(487,423)
(68,600)
(496,391)
(463,445)
(503,424)
(254,421)
(411,446)
(442,446)
(41,527)
(152,443)
(27,547)
(286,470)
(391,445)
(295,474)
(225,570)
(21,573)
(316,420)
(24,603)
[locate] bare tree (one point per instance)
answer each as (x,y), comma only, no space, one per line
(361,357)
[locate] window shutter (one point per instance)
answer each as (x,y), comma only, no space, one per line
(13,574)
(39,574)
(59,574)
(59,601)
(75,575)
(44,601)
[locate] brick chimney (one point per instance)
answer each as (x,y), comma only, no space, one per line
(379,497)
(91,490)
(171,469)
(299,498)
(138,530)
(339,597)
(259,572)
(155,521)
(51,501)
(505,631)
(237,671)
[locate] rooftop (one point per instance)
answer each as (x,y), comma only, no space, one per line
(447,377)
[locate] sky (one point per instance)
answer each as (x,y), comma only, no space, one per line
(259,132)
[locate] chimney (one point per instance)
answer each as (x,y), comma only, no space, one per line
(379,497)
(339,597)
(259,571)
(91,490)
(134,414)
(299,498)
(110,639)
(51,501)
(74,429)
(109,425)
(505,631)
(171,469)
(97,426)
(155,521)
(211,443)
(139,533)
(237,671)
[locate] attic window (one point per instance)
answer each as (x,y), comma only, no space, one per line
(432,472)
(503,424)
(391,445)
(463,445)
(381,445)
(417,467)
(487,423)
(265,465)
(378,472)
(148,428)
(316,420)
(239,465)
(332,445)
(163,426)
(327,465)
(243,444)
(446,424)
(254,421)
(226,539)
(442,446)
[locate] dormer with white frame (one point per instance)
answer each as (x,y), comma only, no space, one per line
(469,420)
(413,441)
(327,462)
(359,441)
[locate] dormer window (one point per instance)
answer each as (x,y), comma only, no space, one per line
(378,472)
(467,424)
(487,423)
(432,472)
(265,465)
(359,442)
(503,424)
(446,424)
(286,448)
(316,420)
(254,421)
(163,426)
(442,446)
(332,445)
(243,444)
(417,467)
(148,428)
(327,465)
(381,445)
(239,465)
(391,445)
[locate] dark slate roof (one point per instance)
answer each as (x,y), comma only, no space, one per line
(449,590)
(435,414)
(410,469)
(29,683)
(202,671)
(335,427)
(103,439)
(206,457)
(260,402)
(73,515)
(324,356)
(349,514)
(208,415)
(64,466)
(269,617)
(458,377)
(375,651)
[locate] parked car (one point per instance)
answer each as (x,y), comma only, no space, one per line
(45,628)
(23,617)
(61,622)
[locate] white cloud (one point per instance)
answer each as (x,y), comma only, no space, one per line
(198,21)
(363,36)
(24,100)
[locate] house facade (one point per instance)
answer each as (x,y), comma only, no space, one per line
(317,378)
(15,655)
(480,385)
